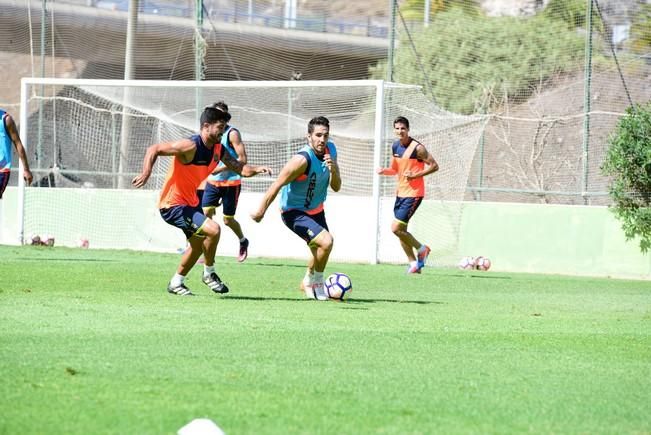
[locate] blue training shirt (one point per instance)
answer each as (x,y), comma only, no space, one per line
(309,191)
(5,144)
(227,175)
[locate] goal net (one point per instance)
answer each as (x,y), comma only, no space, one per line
(87,138)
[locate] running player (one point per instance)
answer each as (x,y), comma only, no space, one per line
(410,162)
(194,159)
(304,182)
(8,137)
(223,185)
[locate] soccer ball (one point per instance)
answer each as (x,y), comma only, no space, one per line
(82,243)
(482,263)
(35,240)
(467,263)
(338,285)
(49,241)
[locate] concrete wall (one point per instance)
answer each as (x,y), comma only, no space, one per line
(574,240)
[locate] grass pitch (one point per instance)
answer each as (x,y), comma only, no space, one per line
(91,343)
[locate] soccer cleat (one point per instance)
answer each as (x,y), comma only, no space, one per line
(180,290)
(422,256)
(414,268)
(212,280)
(244,250)
(319,291)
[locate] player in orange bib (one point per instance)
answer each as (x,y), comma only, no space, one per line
(410,162)
(194,158)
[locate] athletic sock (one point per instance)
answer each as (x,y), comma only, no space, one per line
(207,270)
(243,239)
(318,277)
(177,280)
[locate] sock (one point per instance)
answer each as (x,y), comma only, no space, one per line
(177,280)
(207,270)
(318,277)
(243,239)
(421,249)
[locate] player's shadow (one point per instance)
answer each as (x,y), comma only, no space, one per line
(68,260)
(344,302)
(474,275)
(252,263)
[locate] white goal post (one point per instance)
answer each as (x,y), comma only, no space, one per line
(86,139)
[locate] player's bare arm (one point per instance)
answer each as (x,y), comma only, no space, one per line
(20,149)
(183,149)
(431,165)
(292,170)
(235,139)
(335,176)
(245,170)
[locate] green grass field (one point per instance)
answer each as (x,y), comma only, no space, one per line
(91,343)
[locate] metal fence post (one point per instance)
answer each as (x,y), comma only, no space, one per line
(586,98)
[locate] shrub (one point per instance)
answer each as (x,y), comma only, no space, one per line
(628,162)
(468,57)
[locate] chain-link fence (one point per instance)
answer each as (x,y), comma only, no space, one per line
(553,76)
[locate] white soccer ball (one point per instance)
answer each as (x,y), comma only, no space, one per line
(35,240)
(83,243)
(482,263)
(467,263)
(338,285)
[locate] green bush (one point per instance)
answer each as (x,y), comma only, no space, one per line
(628,162)
(472,59)
(572,13)
(641,30)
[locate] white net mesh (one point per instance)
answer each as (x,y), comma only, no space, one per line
(78,129)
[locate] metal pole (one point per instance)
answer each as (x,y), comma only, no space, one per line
(26,144)
(198,56)
(481,162)
(427,12)
(39,140)
(250,11)
(392,39)
(129,74)
(377,155)
(586,98)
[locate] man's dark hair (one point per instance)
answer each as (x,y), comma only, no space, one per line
(317,120)
(214,113)
(401,120)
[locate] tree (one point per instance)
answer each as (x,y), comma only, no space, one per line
(415,9)
(641,30)
(464,54)
(628,161)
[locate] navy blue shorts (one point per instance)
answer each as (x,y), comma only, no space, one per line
(4,180)
(404,208)
(228,196)
(306,226)
(187,218)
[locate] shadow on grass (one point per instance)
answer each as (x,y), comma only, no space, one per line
(253,263)
(68,259)
(473,275)
(344,303)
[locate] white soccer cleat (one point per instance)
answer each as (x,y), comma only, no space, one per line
(319,290)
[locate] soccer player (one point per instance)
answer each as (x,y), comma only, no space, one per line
(8,137)
(304,182)
(194,159)
(410,162)
(223,185)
